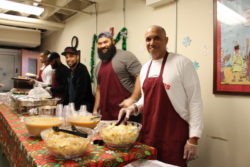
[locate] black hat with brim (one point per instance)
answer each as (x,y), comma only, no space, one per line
(70,50)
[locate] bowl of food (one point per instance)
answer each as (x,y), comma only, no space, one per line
(121,136)
(64,145)
(36,124)
(89,121)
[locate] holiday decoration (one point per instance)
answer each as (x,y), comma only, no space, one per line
(92,58)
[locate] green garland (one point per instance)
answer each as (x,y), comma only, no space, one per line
(123,33)
(92,58)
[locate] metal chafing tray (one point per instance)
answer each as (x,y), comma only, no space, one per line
(32,102)
(23,102)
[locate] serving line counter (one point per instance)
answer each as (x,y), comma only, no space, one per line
(24,151)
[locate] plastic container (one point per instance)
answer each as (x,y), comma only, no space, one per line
(64,145)
(121,136)
(89,121)
(47,110)
(36,124)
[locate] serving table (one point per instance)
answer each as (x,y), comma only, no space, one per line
(24,151)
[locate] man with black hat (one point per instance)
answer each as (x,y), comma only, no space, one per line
(59,77)
(117,78)
(78,87)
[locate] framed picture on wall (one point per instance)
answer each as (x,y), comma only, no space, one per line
(232,47)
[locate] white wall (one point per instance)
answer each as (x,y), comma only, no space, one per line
(226,136)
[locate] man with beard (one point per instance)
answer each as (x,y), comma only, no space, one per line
(117,78)
(78,88)
(59,77)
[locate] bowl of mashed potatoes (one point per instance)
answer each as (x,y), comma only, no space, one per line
(65,145)
(121,136)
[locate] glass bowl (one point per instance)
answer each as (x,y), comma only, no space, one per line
(36,124)
(64,145)
(89,121)
(121,136)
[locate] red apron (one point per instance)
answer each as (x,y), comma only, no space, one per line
(40,75)
(112,92)
(162,127)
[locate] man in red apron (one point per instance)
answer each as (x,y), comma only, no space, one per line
(45,73)
(171,102)
(117,78)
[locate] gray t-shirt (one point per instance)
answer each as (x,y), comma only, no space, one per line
(126,66)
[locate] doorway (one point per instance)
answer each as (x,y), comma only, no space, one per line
(10,60)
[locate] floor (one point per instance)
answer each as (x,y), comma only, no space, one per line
(3,161)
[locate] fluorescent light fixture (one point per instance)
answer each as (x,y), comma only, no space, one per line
(23,8)
(7,19)
(228,16)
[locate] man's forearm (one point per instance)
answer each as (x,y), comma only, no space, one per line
(97,100)
(136,94)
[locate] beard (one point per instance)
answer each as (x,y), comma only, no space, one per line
(108,55)
(55,65)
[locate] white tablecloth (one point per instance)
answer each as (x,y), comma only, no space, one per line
(148,163)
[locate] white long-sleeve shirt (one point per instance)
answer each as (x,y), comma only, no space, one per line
(183,88)
(46,76)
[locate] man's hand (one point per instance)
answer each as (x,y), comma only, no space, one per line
(95,112)
(128,111)
(190,151)
(127,102)
(1,85)
(48,89)
(32,81)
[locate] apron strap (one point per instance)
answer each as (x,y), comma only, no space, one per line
(149,69)
(162,65)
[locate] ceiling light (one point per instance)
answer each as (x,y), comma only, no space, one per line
(228,16)
(21,21)
(9,5)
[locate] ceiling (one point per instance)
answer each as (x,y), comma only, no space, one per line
(56,12)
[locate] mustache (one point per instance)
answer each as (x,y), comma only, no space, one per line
(108,55)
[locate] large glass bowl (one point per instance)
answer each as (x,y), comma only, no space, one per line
(64,145)
(121,136)
(89,121)
(36,124)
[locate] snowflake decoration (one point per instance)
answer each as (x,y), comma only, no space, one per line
(196,65)
(109,152)
(186,41)
(204,50)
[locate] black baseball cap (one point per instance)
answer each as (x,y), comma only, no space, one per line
(71,50)
(52,56)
